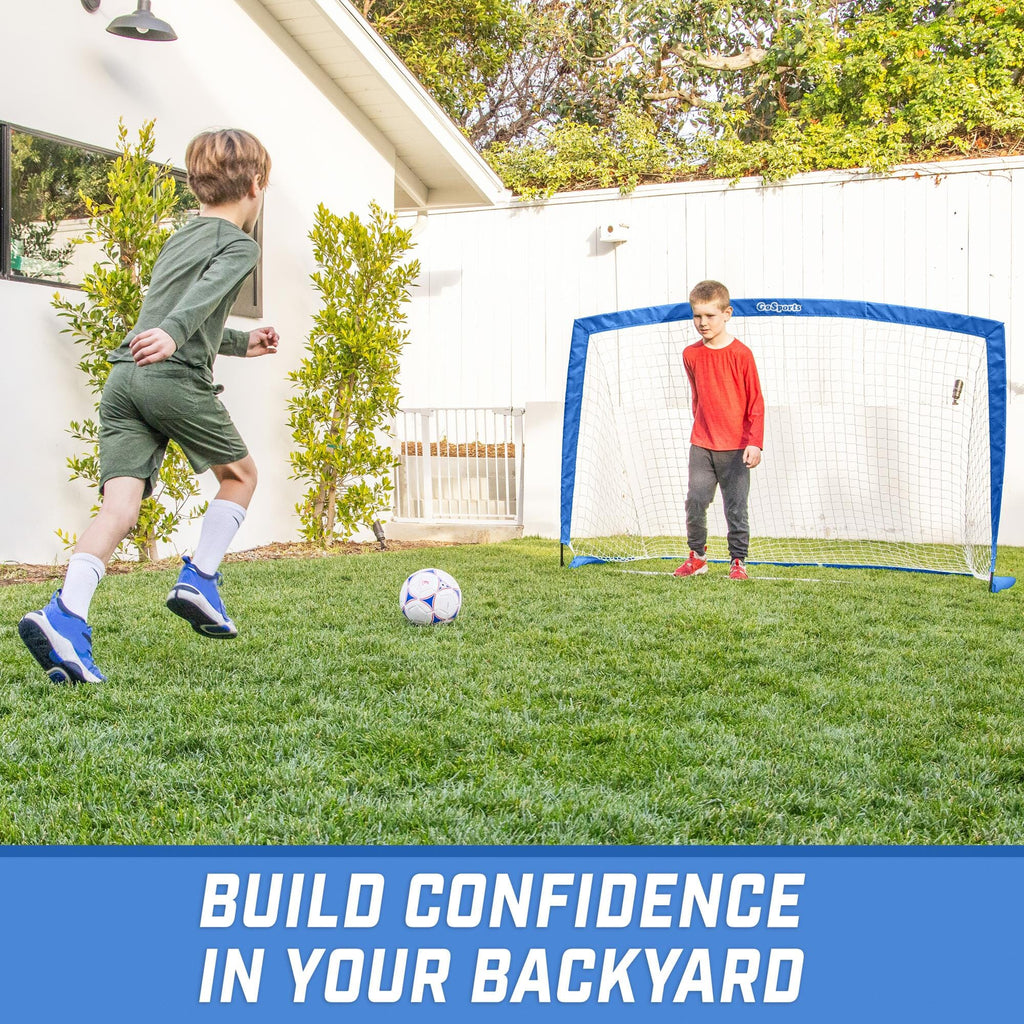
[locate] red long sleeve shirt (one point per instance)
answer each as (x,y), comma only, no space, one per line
(728,407)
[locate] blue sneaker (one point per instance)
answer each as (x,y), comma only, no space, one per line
(196,599)
(61,642)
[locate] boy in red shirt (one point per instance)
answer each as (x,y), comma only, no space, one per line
(728,429)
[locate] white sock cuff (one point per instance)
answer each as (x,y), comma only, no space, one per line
(80,582)
(83,558)
(233,508)
(220,524)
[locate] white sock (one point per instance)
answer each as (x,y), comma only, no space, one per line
(220,524)
(83,577)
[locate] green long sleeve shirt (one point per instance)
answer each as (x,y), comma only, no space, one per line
(195,281)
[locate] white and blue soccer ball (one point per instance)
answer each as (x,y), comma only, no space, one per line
(429,596)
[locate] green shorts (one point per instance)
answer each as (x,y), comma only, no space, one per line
(143,407)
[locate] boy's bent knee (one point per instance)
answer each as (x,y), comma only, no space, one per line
(243,471)
(237,480)
(122,502)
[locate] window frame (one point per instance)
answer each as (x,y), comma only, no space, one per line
(250,299)
(249,303)
(5,201)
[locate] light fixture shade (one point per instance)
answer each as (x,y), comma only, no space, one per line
(142,25)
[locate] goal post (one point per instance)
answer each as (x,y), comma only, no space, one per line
(885,437)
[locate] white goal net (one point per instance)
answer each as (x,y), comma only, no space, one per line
(879,446)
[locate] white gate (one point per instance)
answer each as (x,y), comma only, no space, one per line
(459,465)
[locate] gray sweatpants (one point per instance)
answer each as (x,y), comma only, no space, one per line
(709,470)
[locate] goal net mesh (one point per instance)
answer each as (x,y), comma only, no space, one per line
(878,447)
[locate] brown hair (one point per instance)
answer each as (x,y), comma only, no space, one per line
(710,291)
(222,164)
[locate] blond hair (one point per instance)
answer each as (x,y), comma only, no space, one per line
(710,291)
(222,165)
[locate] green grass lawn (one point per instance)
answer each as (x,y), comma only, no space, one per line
(563,706)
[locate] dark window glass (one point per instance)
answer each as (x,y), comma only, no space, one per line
(48,180)
(45,211)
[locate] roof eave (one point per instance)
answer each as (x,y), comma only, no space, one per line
(453,173)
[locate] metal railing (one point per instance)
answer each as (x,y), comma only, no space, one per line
(459,465)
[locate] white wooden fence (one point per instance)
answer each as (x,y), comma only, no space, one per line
(492,315)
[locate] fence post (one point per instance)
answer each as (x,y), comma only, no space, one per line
(428,466)
(520,458)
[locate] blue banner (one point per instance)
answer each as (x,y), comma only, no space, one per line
(522,933)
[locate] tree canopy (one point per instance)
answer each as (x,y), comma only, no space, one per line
(560,94)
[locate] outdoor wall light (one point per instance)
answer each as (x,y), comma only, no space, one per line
(141,25)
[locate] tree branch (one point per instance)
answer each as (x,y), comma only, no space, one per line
(749,57)
(609,56)
(690,97)
(687,96)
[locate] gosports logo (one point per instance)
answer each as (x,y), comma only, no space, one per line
(779,307)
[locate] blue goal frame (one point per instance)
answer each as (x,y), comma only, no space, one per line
(993,332)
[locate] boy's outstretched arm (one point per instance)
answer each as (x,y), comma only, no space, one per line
(262,342)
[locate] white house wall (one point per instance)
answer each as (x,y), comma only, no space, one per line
(65,75)
(491,318)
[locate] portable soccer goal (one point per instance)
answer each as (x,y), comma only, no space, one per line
(885,436)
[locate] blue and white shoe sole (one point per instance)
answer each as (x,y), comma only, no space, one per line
(189,604)
(54,652)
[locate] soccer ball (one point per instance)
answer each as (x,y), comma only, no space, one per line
(429,596)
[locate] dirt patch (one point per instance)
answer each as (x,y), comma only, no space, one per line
(15,572)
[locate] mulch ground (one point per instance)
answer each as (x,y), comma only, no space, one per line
(15,572)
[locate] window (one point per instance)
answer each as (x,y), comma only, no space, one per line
(42,206)
(42,180)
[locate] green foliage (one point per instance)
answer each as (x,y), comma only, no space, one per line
(937,80)
(876,86)
(347,383)
(48,182)
(131,227)
(630,152)
(33,252)
(735,88)
(49,179)
(454,49)
(498,67)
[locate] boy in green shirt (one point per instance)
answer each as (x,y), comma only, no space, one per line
(161,388)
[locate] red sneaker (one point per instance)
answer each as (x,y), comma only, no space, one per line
(693,566)
(738,571)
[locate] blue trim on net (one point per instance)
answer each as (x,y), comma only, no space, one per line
(586,560)
(581,560)
(992,332)
(995,349)
(571,418)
